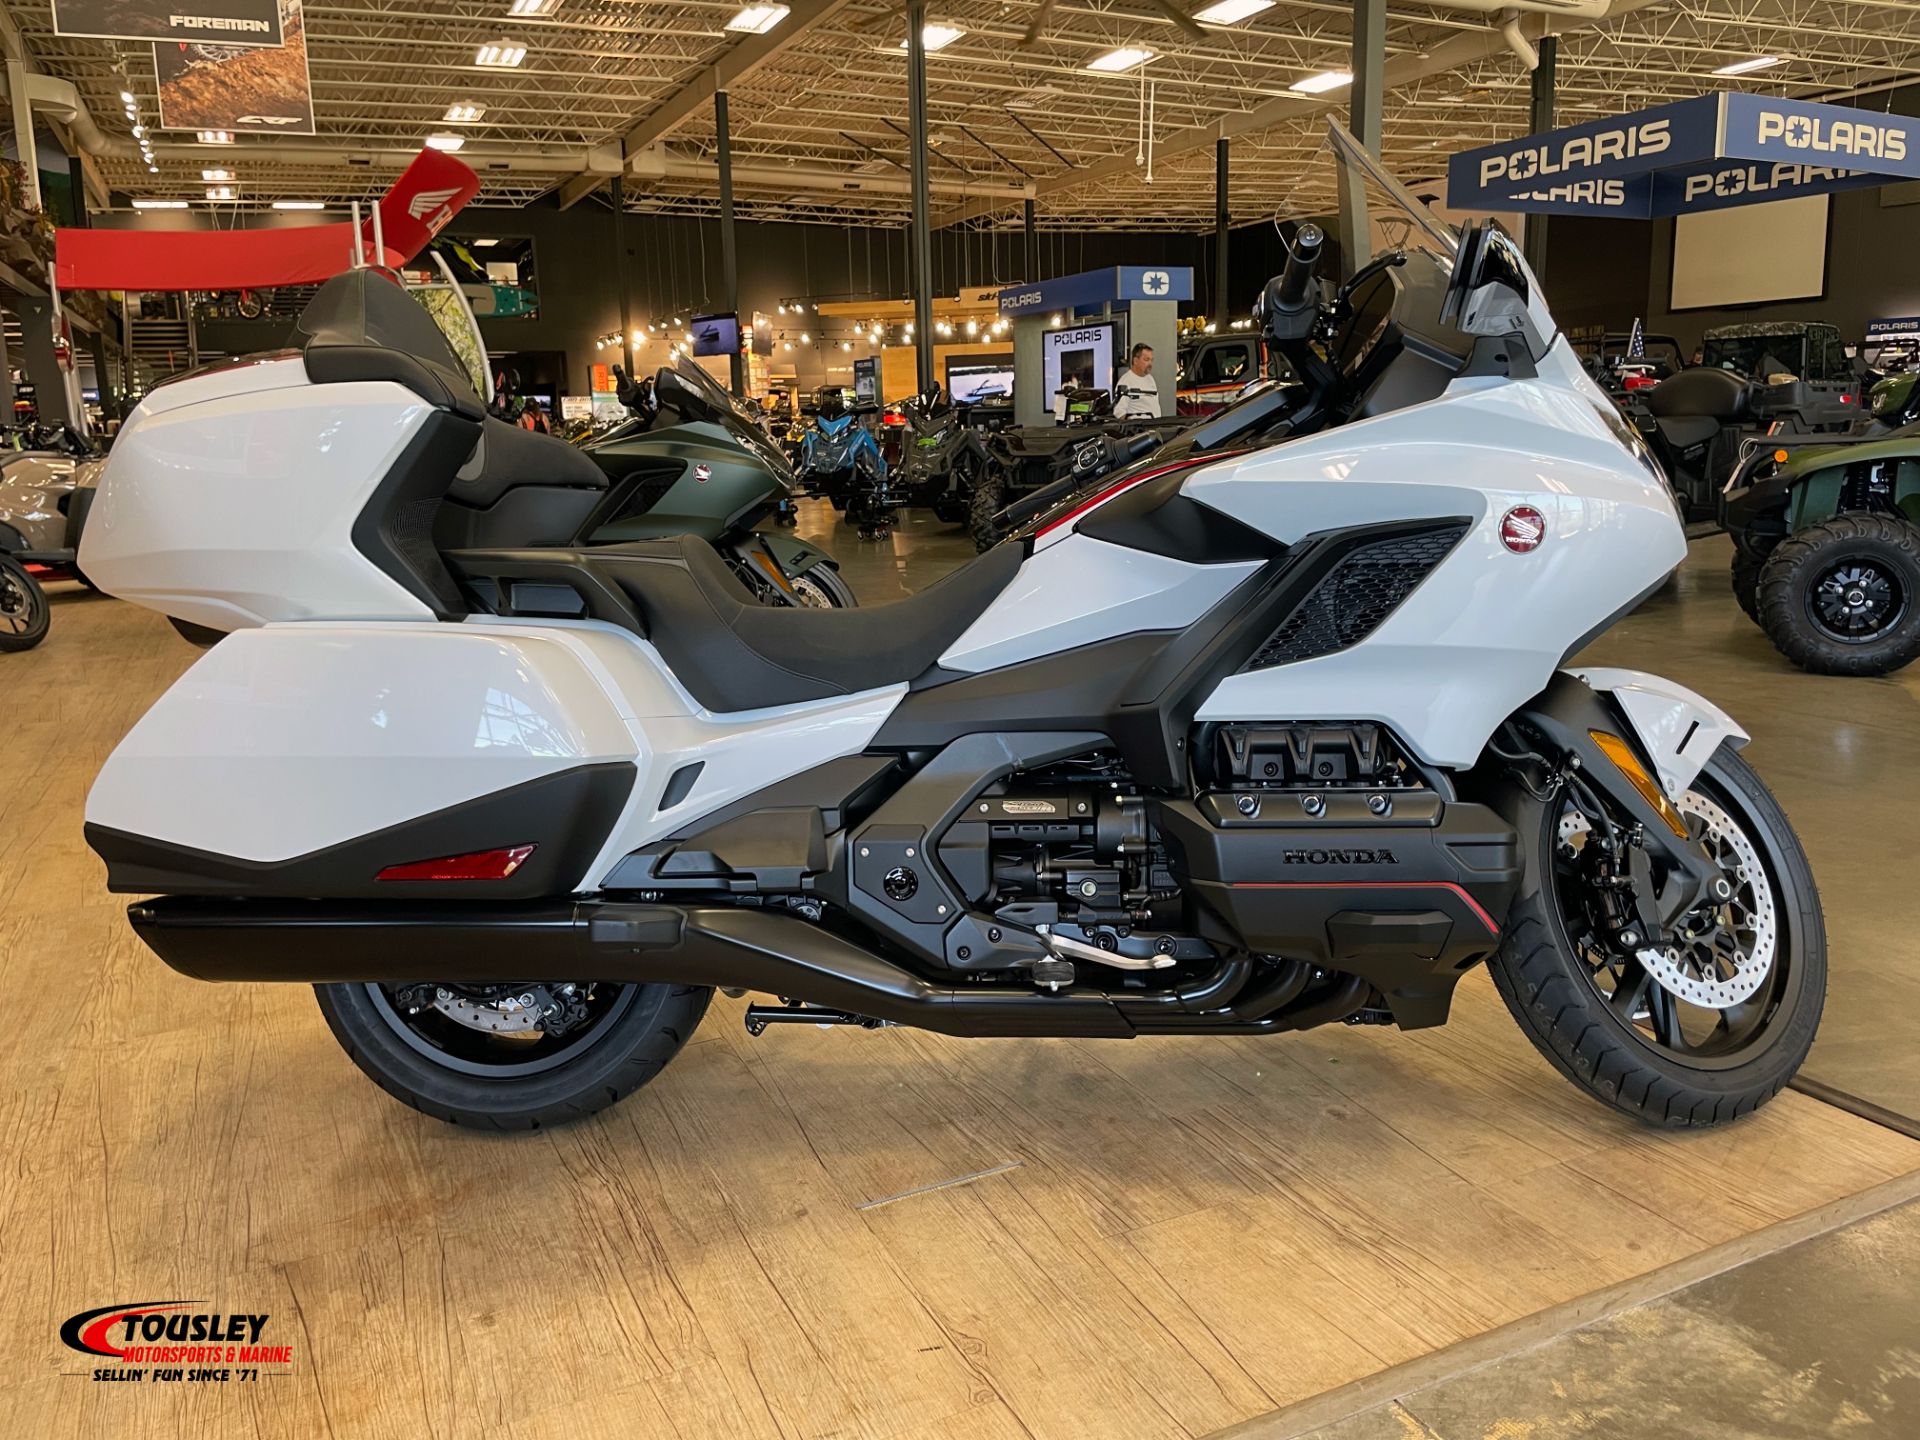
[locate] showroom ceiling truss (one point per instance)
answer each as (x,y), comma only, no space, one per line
(1021,103)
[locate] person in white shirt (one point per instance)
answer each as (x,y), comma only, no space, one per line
(1136,396)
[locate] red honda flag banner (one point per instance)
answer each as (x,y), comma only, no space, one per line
(432,191)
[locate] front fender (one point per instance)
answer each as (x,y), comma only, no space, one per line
(795,557)
(1678,730)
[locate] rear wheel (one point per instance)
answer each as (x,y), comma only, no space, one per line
(1843,597)
(511,1057)
(23,607)
(1695,1033)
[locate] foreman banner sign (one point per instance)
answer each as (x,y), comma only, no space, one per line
(1703,154)
(238,87)
(230,22)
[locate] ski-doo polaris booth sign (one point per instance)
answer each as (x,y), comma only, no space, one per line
(1702,154)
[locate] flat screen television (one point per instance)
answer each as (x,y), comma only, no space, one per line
(980,378)
(716,334)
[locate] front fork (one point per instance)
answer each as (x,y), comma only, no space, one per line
(1627,746)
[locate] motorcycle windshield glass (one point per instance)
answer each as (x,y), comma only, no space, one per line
(740,421)
(1375,215)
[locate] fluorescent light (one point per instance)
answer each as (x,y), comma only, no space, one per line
(445,140)
(489,244)
(216,174)
(463,114)
(758,19)
(216,137)
(1125,58)
(159,204)
(936,37)
(523,9)
(1319,84)
(1746,67)
(219,192)
(500,54)
(1231,12)
(299,205)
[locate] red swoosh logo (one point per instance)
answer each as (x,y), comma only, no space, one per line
(87,1331)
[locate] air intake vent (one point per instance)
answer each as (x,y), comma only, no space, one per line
(1361,590)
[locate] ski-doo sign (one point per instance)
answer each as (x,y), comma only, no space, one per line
(1701,154)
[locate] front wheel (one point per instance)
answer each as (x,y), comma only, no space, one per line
(511,1057)
(1843,597)
(989,499)
(23,607)
(1694,1033)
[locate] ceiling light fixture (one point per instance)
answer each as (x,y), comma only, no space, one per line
(530,9)
(1231,12)
(215,137)
(299,205)
(1747,67)
(445,140)
(936,37)
(1125,58)
(159,204)
(461,113)
(126,97)
(216,174)
(488,244)
(758,19)
(499,55)
(1319,84)
(219,192)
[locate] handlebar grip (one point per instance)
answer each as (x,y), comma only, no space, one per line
(1302,258)
(1141,444)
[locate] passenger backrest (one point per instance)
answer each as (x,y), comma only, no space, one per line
(362,325)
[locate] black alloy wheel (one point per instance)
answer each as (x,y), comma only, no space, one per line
(1842,597)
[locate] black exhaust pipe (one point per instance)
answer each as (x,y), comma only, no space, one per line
(222,939)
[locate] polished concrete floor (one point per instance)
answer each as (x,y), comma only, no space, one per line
(1811,1343)
(1839,753)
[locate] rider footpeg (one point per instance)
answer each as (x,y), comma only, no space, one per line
(1054,975)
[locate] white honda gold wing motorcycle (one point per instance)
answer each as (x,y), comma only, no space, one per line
(1262,737)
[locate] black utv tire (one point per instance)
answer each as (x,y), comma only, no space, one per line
(627,1051)
(1746,584)
(24,615)
(988,500)
(1789,599)
(1543,979)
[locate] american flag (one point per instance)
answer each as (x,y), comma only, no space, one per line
(1637,341)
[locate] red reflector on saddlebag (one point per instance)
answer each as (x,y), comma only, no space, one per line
(480,865)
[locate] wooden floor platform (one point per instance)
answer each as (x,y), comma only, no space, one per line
(779,1238)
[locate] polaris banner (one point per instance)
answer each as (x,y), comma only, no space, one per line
(1702,154)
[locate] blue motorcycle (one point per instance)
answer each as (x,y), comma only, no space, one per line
(840,459)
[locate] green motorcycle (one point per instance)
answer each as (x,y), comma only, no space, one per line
(1826,535)
(688,460)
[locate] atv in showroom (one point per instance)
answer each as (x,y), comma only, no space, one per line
(1826,537)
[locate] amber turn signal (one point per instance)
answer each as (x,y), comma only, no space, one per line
(1628,764)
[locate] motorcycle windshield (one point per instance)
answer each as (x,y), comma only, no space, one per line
(743,424)
(1375,214)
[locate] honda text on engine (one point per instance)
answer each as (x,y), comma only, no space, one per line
(1243,742)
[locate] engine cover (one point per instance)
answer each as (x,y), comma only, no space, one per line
(1408,897)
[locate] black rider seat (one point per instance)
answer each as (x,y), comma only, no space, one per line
(729,651)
